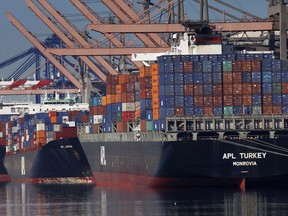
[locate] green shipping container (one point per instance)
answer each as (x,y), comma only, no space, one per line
(257,110)
(119,117)
(227,66)
(228,110)
(276,88)
(149,125)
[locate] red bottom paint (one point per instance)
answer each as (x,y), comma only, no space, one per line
(4,178)
(127,180)
(57,181)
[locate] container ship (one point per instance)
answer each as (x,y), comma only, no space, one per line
(41,143)
(201,115)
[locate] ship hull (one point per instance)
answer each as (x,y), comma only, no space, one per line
(58,162)
(4,177)
(189,163)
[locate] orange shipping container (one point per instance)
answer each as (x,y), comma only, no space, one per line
(118,89)
(155,91)
(189,89)
(155,103)
(155,80)
(41,134)
(123,78)
(104,100)
(145,71)
(155,70)
(111,99)
(137,113)
(179,111)
(119,98)
(53,119)
(156,114)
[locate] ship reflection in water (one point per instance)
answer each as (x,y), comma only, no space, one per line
(26,199)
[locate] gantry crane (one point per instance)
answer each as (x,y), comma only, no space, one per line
(151,36)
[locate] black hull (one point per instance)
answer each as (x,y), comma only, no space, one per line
(189,163)
(58,162)
(4,177)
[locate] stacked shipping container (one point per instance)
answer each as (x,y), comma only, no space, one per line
(29,131)
(209,85)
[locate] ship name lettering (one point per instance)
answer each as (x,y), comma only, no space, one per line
(254,155)
(228,156)
(244,163)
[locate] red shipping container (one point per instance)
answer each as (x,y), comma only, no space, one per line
(111,89)
(198,100)
(256,88)
(188,66)
(228,100)
(189,89)
(237,77)
(227,89)
(267,100)
(217,100)
(198,89)
(208,101)
(247,100)
(238,100)
(284,88)
(247,88)
(208,111)
(128,116)
(247,65)
(228,77)
(145,93)
(143,125)
(267,110)
(95,128)
(277,110)
(128,97)
(256,65)
(66,132)
(122,127)
(119,98)
(133,78)
(217,89)
(145,82)
(236,65)
(179,111)
(237,89)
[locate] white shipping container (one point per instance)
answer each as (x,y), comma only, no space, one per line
(15,129)
(71,123)
(137,105)
(128,106)
(40,127)
(97,119)
(1,134)
(86,129)
(65,119)
(56,127)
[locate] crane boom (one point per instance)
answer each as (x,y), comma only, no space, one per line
(39,46)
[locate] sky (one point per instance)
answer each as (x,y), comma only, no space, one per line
(13,42)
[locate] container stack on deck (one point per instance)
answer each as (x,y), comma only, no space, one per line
(31,131)
(198,85)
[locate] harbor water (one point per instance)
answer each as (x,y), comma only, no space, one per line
(26,199)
